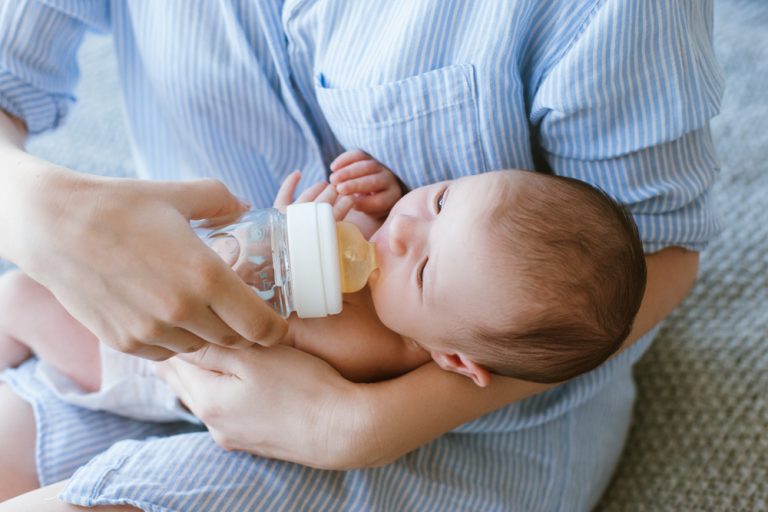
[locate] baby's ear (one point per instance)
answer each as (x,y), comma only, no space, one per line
(459,363)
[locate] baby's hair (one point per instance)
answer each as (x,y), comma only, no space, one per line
(581,269)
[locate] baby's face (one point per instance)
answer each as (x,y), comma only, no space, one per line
(436,273)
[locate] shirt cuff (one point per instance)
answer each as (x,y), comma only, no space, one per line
(690,227)
(40,111)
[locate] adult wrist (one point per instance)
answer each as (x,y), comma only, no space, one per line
(348,432)
(31,190)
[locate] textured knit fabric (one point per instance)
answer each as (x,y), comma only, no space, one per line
(615,93)
(699,438)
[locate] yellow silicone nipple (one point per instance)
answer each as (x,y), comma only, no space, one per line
(357,257)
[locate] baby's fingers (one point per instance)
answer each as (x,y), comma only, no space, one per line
(328,195)
(349,157)
(378,203)
(342,206)
(356,170)
(312,193)
(367,184)
(284,196)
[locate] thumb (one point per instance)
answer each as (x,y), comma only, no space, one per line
(213,358)
(205,198)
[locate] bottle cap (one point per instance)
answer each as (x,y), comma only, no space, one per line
(314,260)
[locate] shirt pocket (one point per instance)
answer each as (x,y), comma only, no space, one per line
(424,128)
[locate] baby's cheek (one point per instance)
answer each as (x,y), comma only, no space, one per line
(386,307)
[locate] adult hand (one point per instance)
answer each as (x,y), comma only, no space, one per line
(121,257)
(277,403)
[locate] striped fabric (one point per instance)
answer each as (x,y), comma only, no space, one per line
(612,92)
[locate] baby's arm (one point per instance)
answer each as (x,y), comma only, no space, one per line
(33,321)
(356,343)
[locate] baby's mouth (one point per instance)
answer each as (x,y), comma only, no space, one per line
(374,277)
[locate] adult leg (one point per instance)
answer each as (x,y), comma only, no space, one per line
(44,500)
(64,436)
(18,473)
(32,319)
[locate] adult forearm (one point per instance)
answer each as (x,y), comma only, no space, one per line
(402,414)
(12,130)
(107,248)
(15,178)
(671,276)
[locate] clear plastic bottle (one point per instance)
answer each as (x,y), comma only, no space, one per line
(299,261)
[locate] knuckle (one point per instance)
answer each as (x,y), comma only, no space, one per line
(177,310)
(129,345)
(257,332)
(192,347)
(231,340)
(157,355)
(208,275)
(150,331)
(135,347)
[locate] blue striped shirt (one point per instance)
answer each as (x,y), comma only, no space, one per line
(616,93)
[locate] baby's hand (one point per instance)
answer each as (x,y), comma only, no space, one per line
(319,192)
(373,187)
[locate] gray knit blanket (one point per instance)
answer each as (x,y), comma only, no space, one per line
(699,439)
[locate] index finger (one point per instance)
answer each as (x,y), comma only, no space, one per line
(246,313)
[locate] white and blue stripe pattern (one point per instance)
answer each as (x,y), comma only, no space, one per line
(616,93)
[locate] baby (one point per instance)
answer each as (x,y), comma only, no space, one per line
(522,274)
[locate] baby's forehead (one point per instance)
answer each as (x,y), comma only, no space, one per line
(495,187)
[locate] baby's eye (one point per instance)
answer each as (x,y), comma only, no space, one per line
(440,200)
(420,273)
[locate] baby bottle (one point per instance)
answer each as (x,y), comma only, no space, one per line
(299,261)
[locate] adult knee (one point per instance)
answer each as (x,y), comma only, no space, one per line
(18,472)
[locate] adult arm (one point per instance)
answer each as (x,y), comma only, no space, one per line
(110,250)
(119,254)
(319,419)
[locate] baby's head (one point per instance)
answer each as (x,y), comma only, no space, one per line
(532,276)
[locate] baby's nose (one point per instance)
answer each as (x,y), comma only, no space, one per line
(403,232)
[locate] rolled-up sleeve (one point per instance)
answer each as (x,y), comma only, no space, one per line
(627,108)
(38,56)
